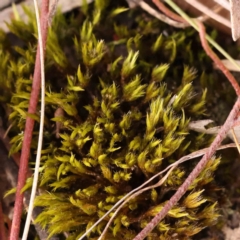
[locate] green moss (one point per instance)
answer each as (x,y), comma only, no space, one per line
(124,96)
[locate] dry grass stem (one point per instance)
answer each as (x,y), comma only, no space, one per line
(201,7)
(236,140)
(166,19)
(7,131)
(29,125)
(224,3)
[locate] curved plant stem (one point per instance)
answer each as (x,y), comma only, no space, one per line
(23,169)
(160,16)
(216,59)
(168,12)
(40,138)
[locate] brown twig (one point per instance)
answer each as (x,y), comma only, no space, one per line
(216,59)
(168,12)
(162,17)
(2,226)
(235,140)
(208,11)
(18,207)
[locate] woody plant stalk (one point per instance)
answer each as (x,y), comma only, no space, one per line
(25,152)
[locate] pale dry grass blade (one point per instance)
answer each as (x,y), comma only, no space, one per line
(235,140)
(224,3)
(207,11)
(229,65)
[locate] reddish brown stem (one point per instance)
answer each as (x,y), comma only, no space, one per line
(23,169)
(2,225)
(168,12)
(193,175)
(216,59)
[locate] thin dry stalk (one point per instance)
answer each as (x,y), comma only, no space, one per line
(166,18)
(162,17)
(235,140)
(40,139)
(168,12)
(176,17)
(205,17)
(23,169)
(224,3)
(201,7)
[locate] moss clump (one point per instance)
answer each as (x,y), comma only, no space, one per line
(119,98)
